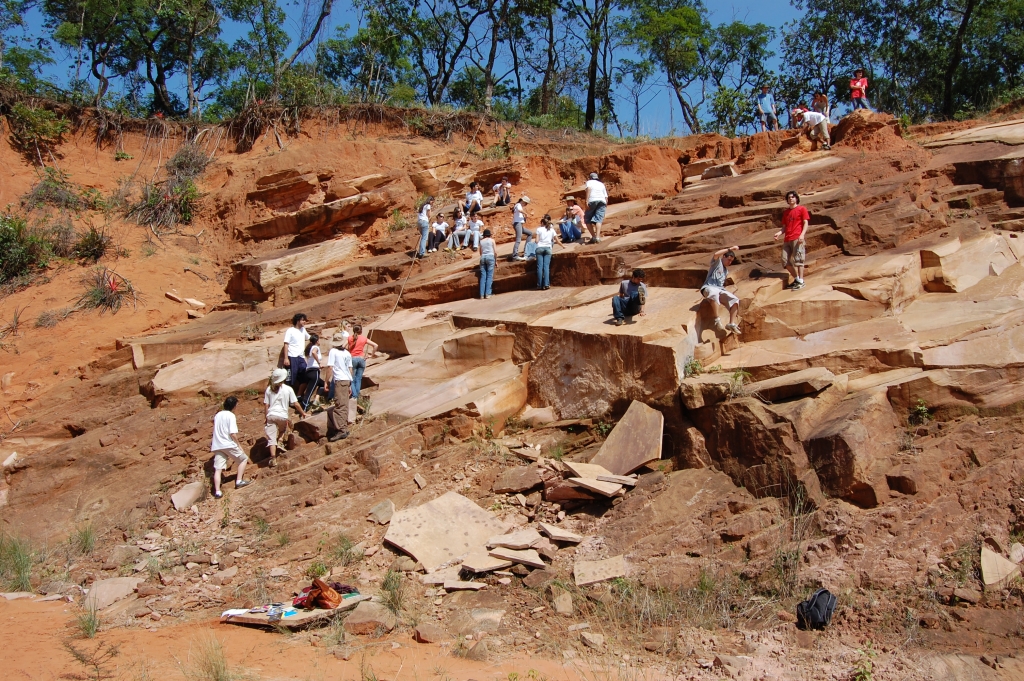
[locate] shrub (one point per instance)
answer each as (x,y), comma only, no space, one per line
(167,204)
(36,132)
(392,592)
(62,238)
(88,622)
(92,245)
(107,290)
(21,250)
(83,539)
(15,563)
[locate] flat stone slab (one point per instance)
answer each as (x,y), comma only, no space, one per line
(520,540)
(586,470)
(528,557)
(558,534)
(996,571)
(446,529)
(625,480)
(369,619)
(106,592)
(16,595)
(796,384)
(593,571)
(481,561)
(634,441)
(608,489)
(518,479)
(459,585)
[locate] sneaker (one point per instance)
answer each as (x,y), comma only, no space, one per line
(797,285)
(242,483)
(337,436)
(734,328)
(218,495)
(718,325)
(520,258)
(826,147)
(273,462)
(620,322)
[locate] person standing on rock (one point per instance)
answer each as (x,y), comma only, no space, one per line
(339,377)
(360,347)
(312,376)
(821,105)
(474,198)
(597,203)
(487,264)
(294,343)
(519,216)
(766,109)
(423,221)
(545,241)
(277,398)
(502,192)
(714,288)
(631,298)
(817,127)
(795,220)
(225,444)
(859,91)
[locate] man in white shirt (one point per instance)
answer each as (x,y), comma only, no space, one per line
(816,125)
(474,198)
(225,444)
(295,349)
(339,373)
(277,398)
(597,202)
(502,192)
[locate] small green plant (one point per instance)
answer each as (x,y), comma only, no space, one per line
(692,367)
(88,622)
(15,563)
(392,591)
(56,189)
(282,538)
(261,526)
(107,290)
(92,245)
(83,539)
(36,132)
(121,155)
(863,669)
(604,427)
(173,202)
(317,569)
(398,221)
(148,250)
(919,413)
(558,453)
(364,403)
(737,383)
(344,552)
(97,661)
(21,249)
(11,327)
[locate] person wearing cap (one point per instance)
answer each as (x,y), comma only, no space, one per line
(277,398)
(225,445)
(474,198)
(572,224)
(487,264)
(502,192)
(294,344)
(714,288)
(766,108)
(859,90)
(631,298)
(519,216)
(597,202)
(339,377)
(816,125)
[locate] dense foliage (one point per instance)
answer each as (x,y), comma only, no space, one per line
(573,63)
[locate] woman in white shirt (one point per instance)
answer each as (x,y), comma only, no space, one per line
(313,361)
(476,225)
(487,264)
(474,198)
(277,399)
(424,224)
(545,236)
(458,229)
(438,234)
(518,221)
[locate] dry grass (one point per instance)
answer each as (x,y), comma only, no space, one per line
(207,661)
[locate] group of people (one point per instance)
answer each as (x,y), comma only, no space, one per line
(815,118)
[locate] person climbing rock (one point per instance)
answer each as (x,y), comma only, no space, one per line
(225,446)
(294,343)
(339,377)
(794,228)
(597,202)
(631,298)
(519,216)
(816,125)
(714,288)
(277,398)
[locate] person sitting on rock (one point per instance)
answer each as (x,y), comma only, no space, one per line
(438,233)
(502,192)
(816,125)
(277,398)
(714,288)
(474,198)
(572,224)
(631,298)
(458,230)
(476,225)
(795,220)
(225,444)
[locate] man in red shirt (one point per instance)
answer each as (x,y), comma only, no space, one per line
(859,90)
(794,228)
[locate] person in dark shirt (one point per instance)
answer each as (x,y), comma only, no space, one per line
(631,298)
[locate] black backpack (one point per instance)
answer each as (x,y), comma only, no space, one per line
(816,611)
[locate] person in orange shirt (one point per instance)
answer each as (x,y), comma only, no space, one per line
(859,90)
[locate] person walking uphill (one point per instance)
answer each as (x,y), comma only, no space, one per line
(277,398)
(360,347)
(714,288)
(487,264)
(597,203)
(545,241)
(225,444)
(631,298)
(339,377)
(294,346)
(795,220)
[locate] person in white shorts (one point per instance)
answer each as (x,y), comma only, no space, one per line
(278,398)
(225,446)
(714,288)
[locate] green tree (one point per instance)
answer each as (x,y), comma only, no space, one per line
(735,63)
(94,31)
(370,63)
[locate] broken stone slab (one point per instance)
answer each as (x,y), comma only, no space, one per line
(420,481)
(624,480)
(704,390)
(586,470)
(257,278)
(481,561)
(996,571)
(635,440)
(16,595)
(192,302)
(608,489)
(425,632)
(476,621)
(106,592)
(592,640)
(518,479)
(312,428)
(559,534)
(174,296)
(557,491)
(459,585)
(326,216)
(479,652)
(722,170)
(528,557)
(439,577)
(519,540)
(222,577)
(561,600)
(593,571)
(382,513)
(796,384)
(189,495)
(370,618)
(1017,552)
(446,529)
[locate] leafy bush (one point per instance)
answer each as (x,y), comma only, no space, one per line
(92,245)
(36,132)
(167,204)
(21,250)
(56,189)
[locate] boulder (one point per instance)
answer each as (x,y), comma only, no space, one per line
(425,632)
(370,619)
(796,384)
(704,390)
(593,571)
(189,495)
(956,266)
(382,512)
(326,216)
(518,479)
(284,190)
(561,601)
(106,592)
(807,413)
(538,579)
(122,554)
(853,448)
(478,653)
(722,170)
(476,621)
(592,640)
(222,577)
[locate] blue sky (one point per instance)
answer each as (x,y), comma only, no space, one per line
(657,117)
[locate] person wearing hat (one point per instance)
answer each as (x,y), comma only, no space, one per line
(278,397)
(571,225)
(339,377)
(225,446)
(714,288)
(487,264)
(597,202)
(519,216)
(859,90)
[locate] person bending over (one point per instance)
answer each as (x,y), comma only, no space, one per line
(277,398)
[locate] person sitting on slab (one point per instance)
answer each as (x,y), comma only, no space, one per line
(714,288)
(474,198)
(225,446)
(631,298)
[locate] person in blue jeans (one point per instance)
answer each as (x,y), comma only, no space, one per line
(360,347)
(631,298)
(423,221)
(487,264)
(545,236)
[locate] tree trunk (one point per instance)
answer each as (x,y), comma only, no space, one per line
(546,85)
(591,114)
(689,117)
(956,56)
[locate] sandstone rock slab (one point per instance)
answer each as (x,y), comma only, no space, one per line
(517,479)
(383,512)
(527,557)
(608,489)
(476,621)
(445,529)
(996,571)
(425,632)
(370,619)
(519,540)
(796,384)
(481,561)
(593,571)
(187,496)
(634,441)
(586,470)
(560,534)
(106,592)
(704,390)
